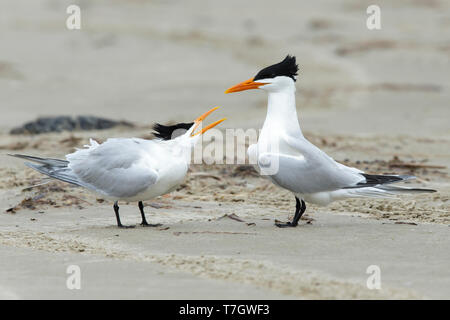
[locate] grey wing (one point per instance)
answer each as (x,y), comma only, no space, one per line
(311,171)
(300,175)
(118,168)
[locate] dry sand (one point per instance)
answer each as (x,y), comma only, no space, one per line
(377,100)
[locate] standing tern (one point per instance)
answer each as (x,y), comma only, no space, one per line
(128,169)
(301,167)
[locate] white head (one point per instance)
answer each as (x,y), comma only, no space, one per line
(182,137)
(275,78)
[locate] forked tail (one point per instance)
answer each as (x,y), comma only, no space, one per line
(54,168)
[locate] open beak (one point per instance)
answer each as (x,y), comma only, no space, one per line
(246,85)
(199,120)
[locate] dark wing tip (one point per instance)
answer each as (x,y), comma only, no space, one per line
(426,190)
(374,179)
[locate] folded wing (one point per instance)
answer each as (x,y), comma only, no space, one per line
(117,168)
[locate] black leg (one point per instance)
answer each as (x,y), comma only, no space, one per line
(116,210)
(300,208)
(144,222)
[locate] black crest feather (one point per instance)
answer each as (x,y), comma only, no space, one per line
(167,132)
(288,67)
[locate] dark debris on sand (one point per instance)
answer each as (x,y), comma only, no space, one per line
(67,123)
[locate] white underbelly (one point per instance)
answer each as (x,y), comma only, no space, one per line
(168,181)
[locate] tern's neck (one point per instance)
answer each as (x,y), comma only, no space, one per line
(181,147)
(282,113)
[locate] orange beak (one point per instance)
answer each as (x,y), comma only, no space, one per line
(199,120)
(246,85)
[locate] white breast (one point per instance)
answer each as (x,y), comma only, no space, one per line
(171,172)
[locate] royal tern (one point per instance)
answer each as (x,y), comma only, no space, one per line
(128,169)
(290,161)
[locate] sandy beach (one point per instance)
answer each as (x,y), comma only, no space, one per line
(375,100)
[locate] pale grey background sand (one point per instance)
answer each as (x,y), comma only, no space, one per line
(158,60)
